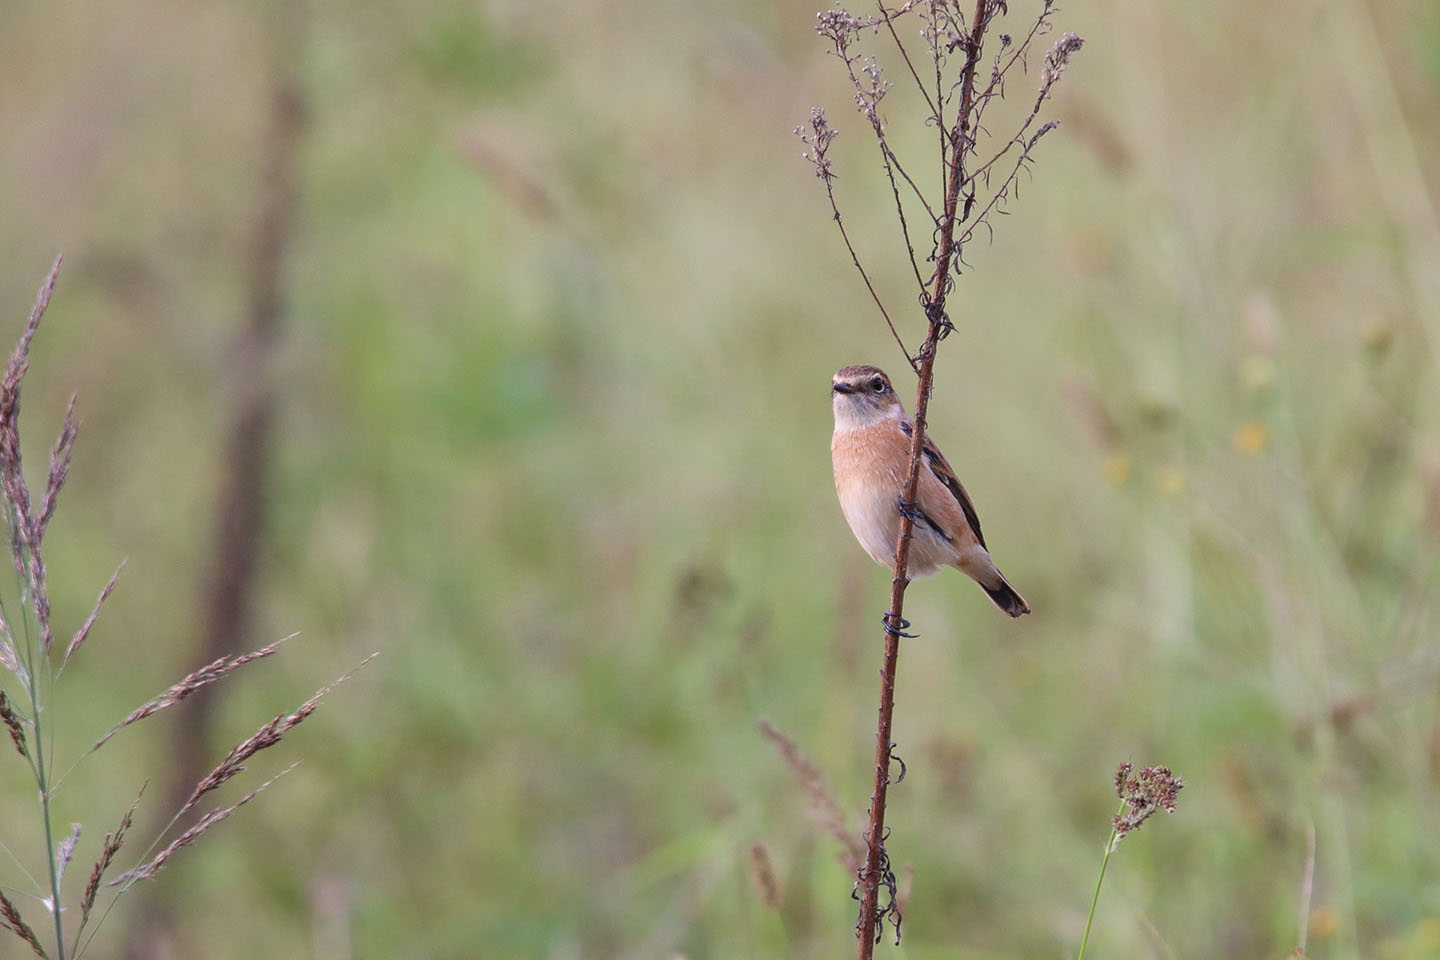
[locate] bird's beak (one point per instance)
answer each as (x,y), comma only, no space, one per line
(841,388)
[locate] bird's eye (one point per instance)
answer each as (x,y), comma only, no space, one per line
(878,385)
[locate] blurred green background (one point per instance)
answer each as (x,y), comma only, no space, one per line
(560,312)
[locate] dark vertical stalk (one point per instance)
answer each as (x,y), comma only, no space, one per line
(239,512)
(959,144)
(227,590)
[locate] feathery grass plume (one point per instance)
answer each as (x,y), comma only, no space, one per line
(24,529)
(824,809)
(267,736)
(151,867)
(60,456)
(8,659)
(26,650)
(66,851)
(9,655)
(762,877)
(187,685)
(1155,788)
(78,640)
(111,846)
(14,724)
(10,476)
(11,920)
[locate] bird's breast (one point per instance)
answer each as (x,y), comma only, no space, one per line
(867,481)
(870,469)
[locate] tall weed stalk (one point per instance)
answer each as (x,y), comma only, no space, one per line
(964,66)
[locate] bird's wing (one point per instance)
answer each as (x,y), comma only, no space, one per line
(939,466)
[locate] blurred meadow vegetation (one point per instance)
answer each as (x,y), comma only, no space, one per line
(560,313)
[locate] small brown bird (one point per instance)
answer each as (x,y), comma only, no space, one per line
(870,451)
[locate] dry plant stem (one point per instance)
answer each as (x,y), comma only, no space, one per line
(875,832)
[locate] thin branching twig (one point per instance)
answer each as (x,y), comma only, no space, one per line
(818,141)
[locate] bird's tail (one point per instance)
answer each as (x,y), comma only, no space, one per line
(1005,596)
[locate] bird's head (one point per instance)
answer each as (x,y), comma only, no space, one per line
(861,396)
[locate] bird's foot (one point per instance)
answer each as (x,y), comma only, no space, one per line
(896,626)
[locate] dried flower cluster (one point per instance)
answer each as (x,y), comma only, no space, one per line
(1057,60)
(817,140)
(1153,789)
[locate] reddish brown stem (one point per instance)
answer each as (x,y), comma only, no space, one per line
(240,508)
(875,832)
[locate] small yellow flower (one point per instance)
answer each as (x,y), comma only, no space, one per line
(1324,921)
(1116,469)
(1251,437)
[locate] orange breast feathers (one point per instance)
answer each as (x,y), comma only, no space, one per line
(870,464)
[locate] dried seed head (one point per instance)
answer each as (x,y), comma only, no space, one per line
(1057,60)
(111,846)
(869,94)
(1155,788)
(78,640)
(13,723)
(66,852)
(824,809)
(12,478)
(60,456)
(8,660)
(201,678)
(840,27)
(148,870)
(762,876)
(267,736)
(11,920)
(818,139)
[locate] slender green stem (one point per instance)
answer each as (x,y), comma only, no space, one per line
(42,657)
(1095,899)
(49,834)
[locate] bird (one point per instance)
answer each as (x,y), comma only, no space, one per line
(870,452)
